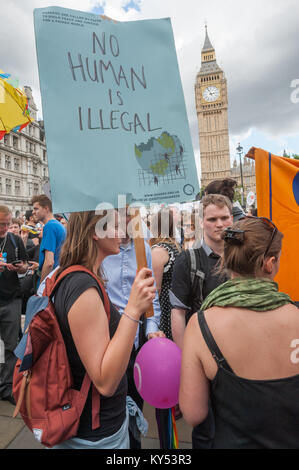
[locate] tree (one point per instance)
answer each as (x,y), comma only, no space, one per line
(238,194)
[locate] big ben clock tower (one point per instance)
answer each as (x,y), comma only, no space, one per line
(211,106)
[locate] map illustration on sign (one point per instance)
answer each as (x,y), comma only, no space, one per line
(160,157)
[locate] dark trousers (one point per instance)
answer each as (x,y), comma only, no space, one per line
(162,418)
(133,393)
(10,322)
(203,434)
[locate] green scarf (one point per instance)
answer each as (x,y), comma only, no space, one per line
(259,295)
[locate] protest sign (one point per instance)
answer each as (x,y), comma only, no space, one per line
(277,189)
(114,111)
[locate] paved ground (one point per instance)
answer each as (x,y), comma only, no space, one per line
(15,435)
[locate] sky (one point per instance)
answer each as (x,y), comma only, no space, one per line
(256,45)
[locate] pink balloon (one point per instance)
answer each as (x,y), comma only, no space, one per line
(157,372)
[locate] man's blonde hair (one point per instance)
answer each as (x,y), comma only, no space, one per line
(217,200)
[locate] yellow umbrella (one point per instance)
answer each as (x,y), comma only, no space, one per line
(14,112)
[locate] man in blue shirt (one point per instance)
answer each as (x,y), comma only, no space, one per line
(120,271)
(54,234)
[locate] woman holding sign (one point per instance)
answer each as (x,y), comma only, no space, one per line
(95,345)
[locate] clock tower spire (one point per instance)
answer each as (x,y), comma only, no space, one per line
(207,47)
(212,112)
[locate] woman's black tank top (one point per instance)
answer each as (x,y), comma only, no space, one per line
(251,414)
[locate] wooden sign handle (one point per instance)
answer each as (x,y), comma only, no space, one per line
(139,242)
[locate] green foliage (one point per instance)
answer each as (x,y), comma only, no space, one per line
(295,156)
(238,194)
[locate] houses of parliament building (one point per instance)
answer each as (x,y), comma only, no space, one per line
(211,99)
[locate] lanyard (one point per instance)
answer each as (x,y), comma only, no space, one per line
(3,244)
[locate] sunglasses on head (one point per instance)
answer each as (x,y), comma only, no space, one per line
(270,224)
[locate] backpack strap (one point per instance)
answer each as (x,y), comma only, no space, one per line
(50,289)
(211,343)
(52,286)
(194,266)
(197,277)
(95,401)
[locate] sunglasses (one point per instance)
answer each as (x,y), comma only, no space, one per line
(270,224)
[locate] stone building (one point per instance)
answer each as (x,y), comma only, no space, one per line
(211,100)
(23,163)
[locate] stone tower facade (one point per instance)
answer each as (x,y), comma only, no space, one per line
(212,112)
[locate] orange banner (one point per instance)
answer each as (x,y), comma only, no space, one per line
(277,186)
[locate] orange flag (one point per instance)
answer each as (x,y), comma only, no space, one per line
(277,186)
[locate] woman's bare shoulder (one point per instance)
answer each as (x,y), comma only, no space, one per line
(158,251)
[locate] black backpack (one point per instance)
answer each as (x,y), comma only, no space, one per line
(199,268)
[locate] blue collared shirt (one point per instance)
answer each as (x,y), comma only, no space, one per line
(120,272)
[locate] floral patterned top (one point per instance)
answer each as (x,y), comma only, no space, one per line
(165,321)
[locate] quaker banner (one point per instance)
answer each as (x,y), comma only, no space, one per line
(114,111)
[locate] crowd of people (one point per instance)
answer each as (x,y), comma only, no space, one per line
(210,280)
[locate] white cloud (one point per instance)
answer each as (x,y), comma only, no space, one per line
(18,56)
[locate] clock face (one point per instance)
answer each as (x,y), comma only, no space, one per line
(211,93)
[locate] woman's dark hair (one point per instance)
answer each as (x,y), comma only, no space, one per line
(245,245)
(28,214)
(226,187)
